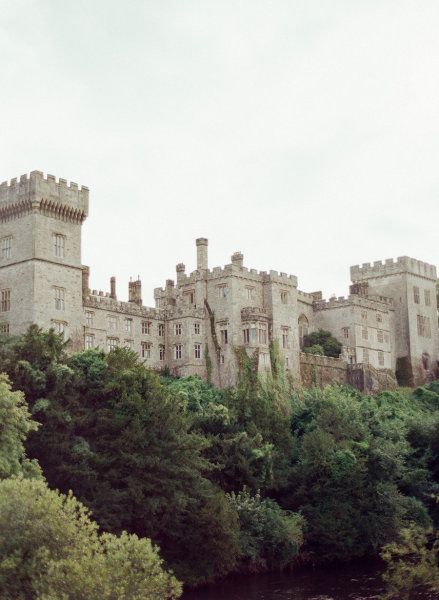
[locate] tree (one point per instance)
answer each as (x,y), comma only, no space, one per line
(270,537)
(412,562)
(50,550)
(331,346)
(15,425)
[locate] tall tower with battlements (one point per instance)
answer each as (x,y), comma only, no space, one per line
(411,284)
(40,253)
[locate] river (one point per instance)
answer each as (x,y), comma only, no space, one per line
(353,582)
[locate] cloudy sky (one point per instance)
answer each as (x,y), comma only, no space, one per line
(304,133)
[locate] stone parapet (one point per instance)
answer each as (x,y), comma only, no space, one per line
(403,264)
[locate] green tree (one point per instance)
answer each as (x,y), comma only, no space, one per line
(412,562)
(50,549)
(15,425)
(270,537)
(331,346)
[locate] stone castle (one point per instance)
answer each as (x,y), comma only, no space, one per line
(388,324)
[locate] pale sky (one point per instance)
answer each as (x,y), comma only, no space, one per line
(304,133)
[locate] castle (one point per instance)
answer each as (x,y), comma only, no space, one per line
(388,324)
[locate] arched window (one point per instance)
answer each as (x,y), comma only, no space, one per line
(303,328)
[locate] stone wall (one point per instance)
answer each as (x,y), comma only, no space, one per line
(319,370)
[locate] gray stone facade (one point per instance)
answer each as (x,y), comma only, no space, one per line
(389,320)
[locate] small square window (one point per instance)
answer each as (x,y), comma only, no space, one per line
(222,290)
(146,327)
(177,328)
(112,343)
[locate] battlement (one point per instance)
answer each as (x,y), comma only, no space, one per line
(403,264)
(373,302)
(46,192)
(99,300)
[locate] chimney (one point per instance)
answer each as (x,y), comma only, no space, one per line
(202,254)
(238,259)
(135,292)
(180,268)
(85,282)
(113,288)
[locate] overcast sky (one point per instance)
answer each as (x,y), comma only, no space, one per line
(304,133)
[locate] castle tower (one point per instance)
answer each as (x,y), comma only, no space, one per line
(41,275)
(412,286)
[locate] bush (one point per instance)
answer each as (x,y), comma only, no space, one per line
(270,538)
(50,550)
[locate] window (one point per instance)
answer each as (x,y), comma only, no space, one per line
(246,333)
(365,355)
(6,246)
(379,318)
(222,290)
(364,315)
(345,331)
(161,352)
(416,294)
(89,318)
(60,295)
(224,336)
(303,329)
(178,351)
(146,327)
(146,349)
(5,301)
(111,322)
(284,297)
(161,329)
(4,327)
(285,337)
(380,336)
(386,338)
(250,293)
(129,344)
(264,359)
(222,359)
(197,351)
(197,328)
(189,297)
(177,328)
(262,332)
(253,334)
(128,326)
(89,341)
(287,362)
(59,244)
(112,343)
(424,329)
(427,297)
(364,333)
(381,358)
(59,327)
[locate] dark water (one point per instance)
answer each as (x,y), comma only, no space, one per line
(358,582)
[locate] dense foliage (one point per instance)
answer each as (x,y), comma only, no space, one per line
(246,479)
(322,342)
(50,550)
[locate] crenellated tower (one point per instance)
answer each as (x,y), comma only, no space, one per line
(40,253)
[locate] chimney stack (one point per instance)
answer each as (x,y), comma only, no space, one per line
(113,288)
(202,254)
